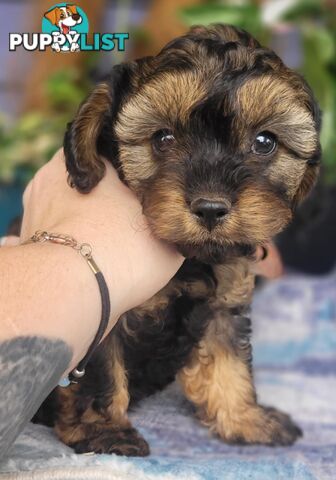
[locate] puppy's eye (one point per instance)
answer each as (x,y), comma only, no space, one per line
(62,16)
(163,140)
(264,144)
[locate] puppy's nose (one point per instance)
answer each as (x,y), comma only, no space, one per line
(209,212)
(75,16)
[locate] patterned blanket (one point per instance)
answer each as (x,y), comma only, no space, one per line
(295,369)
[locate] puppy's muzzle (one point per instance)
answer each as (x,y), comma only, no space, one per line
(209,212)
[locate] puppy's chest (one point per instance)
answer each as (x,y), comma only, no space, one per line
(226,286)
(158,337)
(194,281)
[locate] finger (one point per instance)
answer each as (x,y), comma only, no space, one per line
(9,241)
(261,254)
(269,266)
(26,194)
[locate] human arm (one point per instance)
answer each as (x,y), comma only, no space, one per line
(48,295)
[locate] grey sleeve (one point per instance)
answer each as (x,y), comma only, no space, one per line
(30,367)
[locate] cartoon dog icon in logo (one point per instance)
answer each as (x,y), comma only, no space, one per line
(64,18)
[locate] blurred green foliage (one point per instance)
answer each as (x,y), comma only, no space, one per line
(35,136)
(247,16)
(317,24)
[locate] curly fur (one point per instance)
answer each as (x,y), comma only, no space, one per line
(215,88)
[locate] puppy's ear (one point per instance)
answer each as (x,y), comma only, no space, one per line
(52,15)
(307,183)
(91,134)
(72,8)
(313,164)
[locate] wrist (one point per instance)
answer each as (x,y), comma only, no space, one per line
(109,252)
(50,293)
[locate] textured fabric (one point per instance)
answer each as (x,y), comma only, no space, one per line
(28,369)
(295,370)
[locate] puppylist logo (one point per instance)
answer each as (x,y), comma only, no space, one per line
(65,28)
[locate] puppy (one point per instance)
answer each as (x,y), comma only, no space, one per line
(220,141)
(64,18)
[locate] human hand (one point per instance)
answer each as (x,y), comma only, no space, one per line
(9,241)
(135,264)
(271,266)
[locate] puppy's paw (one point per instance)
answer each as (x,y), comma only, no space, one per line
(74,47)
(280,428)
(56,47)
(264,426)
(126,442)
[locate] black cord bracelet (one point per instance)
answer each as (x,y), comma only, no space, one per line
(79,371)
(86,251)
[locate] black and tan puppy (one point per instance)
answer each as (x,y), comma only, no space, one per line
(219,140)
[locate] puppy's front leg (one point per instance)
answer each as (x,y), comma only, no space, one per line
(218,379)
(92,415)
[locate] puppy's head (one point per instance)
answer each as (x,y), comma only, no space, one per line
(217,137)
(64,17)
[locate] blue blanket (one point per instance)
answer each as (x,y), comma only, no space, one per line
(295,370)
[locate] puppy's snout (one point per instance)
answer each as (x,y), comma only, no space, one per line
(209,212)
(76,16)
